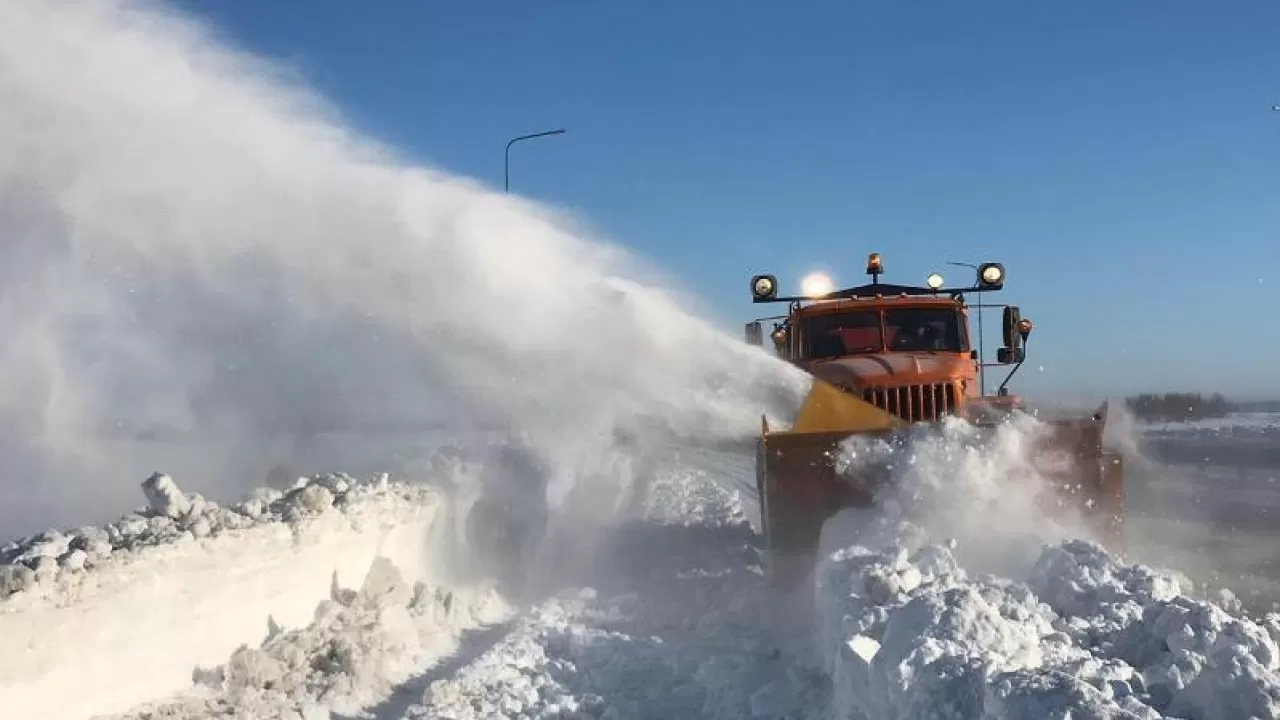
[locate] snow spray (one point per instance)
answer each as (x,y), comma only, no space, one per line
(206,271)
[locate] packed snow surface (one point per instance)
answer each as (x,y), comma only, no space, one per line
(665,612)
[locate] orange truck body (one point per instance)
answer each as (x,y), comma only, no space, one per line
(884,358)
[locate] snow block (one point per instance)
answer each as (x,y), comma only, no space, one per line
(164,497)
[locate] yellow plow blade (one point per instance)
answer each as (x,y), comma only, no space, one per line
(796,476)
(829,409)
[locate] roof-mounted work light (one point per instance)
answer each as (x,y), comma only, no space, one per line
(991,276)
(816,285)
(764,287)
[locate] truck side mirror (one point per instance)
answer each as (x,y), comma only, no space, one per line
(1010,355)
(755,336)
(1012,317)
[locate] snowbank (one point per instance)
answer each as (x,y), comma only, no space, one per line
(98,620)
(361,645)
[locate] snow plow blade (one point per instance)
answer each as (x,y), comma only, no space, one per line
(800,485)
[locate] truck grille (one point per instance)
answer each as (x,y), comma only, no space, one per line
(914,403)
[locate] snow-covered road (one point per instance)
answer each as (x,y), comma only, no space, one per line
(345,599)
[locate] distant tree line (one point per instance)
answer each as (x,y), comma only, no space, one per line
(1175,407)
(1257,406)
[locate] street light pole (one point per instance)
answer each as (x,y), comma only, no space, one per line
(506,162)
(982,365)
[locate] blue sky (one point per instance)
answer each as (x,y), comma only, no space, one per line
(1121,159)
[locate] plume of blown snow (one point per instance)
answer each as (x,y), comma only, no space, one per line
(203,266)
(989,492)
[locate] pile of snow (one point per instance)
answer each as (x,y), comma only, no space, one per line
(101,619)
(911,634)
(967,595)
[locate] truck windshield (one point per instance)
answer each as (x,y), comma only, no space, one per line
(926,329)
(861,332)
(830,336)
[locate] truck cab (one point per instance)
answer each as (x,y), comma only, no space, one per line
(905,349)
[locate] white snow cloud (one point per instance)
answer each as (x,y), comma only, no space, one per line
(201,264)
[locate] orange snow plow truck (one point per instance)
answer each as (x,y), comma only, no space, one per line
(885,357)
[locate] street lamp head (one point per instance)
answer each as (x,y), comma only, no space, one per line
(506,162)
(531,136)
